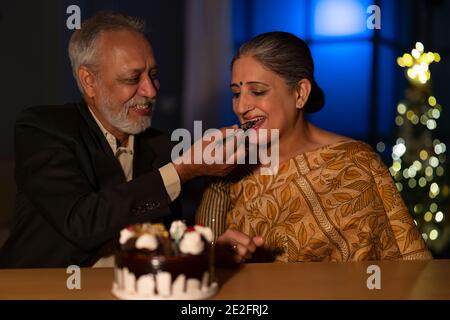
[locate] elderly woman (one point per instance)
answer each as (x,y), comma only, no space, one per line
(332,198)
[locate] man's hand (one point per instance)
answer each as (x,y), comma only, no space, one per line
(234,247)
(188,169)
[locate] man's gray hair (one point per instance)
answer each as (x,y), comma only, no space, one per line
(83,47)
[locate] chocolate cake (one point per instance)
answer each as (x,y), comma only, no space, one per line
(153,263)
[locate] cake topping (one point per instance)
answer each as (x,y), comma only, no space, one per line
(147,241)
(125,235)
(156,229)
(177,229)
(192,243)
(205,232)
(155,237)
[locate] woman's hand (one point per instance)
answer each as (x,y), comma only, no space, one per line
(234,247)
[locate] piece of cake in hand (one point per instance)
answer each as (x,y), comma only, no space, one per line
(153,263)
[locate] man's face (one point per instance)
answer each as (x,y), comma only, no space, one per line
(126,83)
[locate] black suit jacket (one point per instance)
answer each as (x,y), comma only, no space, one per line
(73,198)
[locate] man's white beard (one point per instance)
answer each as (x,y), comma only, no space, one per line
(120,120)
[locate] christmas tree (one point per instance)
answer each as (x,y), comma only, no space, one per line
(419,162)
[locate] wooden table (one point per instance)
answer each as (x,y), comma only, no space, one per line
(320,280)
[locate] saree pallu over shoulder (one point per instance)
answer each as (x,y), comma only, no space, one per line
(336,203)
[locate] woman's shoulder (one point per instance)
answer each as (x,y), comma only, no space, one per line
(334,141)
(325,137)
(334,148)
(353,147)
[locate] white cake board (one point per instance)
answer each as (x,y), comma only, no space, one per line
(199,295)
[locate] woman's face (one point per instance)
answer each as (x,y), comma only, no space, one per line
(260,94)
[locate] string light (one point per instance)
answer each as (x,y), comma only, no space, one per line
(418,208)
(434,162)
(422,182)
(401,108)
(381,146)
(433,207)
(434,188)
(428,216)
(417,165)
(423,155)
(399,149)
(431,124)
(439,148)
(418,159)
(434,234)
(412,183)
(432,101)
(418,63)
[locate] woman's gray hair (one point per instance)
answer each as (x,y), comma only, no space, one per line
(288,56)
(83,47)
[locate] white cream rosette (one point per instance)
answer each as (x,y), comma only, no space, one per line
(205,232)
(147,241)
(125,235)
(192,243)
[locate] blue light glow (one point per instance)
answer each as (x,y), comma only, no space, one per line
(339,18)
(343,71)
(342,47)
(286,15)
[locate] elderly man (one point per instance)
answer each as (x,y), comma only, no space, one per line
(84,171)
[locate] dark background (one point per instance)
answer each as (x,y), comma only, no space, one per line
(35,67)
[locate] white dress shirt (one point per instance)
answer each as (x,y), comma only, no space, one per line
(125,156)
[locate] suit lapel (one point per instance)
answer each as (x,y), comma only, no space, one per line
(107,168)
(95,131)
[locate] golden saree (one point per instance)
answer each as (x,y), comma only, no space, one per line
(336,203)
